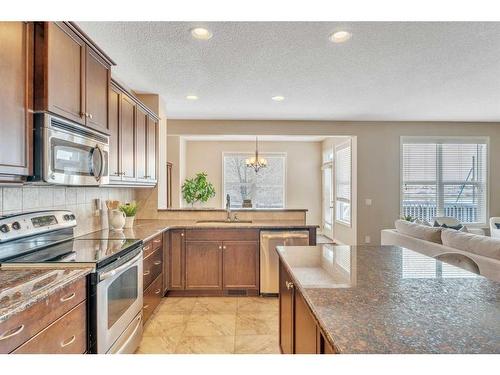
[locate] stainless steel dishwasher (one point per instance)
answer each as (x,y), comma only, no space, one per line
(269,283)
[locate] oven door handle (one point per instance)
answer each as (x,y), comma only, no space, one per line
(107,275)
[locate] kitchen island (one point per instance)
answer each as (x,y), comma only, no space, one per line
(385,299)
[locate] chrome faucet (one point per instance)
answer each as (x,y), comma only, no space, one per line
(228,207)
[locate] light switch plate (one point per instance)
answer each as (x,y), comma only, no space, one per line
(368,239)
(368,201)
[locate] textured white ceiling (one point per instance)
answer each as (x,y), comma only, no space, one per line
(388,70)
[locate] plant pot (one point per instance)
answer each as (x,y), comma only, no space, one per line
(129,222)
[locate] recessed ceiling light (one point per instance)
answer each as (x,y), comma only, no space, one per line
(201,33)
(191,97)
(278,98)
(340,36)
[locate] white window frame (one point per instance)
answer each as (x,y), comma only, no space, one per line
(448,139)
(328,164)
(250,154)
(343,145)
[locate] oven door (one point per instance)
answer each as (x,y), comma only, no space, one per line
(119,300)
(73,155)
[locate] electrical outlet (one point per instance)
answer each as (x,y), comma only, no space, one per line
(368,201)
(368,239)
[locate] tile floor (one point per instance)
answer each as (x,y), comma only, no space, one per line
(213,325)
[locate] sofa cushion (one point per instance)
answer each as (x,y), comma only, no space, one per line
(420,231)
(473,243)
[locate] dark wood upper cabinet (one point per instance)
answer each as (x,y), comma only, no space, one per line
(140,144)
(241,264)
(127,138)
(97,78)
(203,265)
(152,135)
(72,75)
(16,121)
(114,134)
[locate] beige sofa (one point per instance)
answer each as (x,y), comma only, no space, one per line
(439,242)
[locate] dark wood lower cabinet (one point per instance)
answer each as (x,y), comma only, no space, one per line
(152,297)
(240,264)
(176,260)
(299,332)
(203,265)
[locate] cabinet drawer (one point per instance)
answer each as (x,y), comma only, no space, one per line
(21,327)
(152,245)
(157,242)
(152,267)
(152,297)
(67,335)
(222,235)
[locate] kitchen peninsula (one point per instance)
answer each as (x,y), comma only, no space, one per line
(384,299)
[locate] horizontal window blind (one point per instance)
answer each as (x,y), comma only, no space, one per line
(343,183)
(444,177)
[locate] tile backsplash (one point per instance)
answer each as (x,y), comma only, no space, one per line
(77,199)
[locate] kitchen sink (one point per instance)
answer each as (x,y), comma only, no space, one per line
(223,222)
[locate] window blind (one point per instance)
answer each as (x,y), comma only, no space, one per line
(343,183)
(444,177)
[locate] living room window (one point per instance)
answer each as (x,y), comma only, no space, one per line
(265,189)
(327,171)
(343,183)
(444,177)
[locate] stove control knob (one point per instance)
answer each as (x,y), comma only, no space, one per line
(72,217)
(16,225)
(4,228)
(67,217)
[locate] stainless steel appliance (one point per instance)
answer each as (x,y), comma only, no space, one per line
(69,154)
(269,278)
(46,238)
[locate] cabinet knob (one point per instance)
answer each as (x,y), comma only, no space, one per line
(289,285)
(220,247)
(224,247)
(182,234)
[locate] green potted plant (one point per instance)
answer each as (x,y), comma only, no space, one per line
(197,189)
(129,209)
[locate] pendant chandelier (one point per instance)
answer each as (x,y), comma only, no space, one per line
(256,162)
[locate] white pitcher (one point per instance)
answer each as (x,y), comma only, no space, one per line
(116,219)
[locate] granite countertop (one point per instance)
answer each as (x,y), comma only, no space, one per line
(149,228)
(388,299)
(20,288)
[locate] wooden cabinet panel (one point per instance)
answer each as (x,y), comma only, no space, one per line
(152,297)
(67,335)
(97,78)
(305,335)
(16,74)
(203,265)
(65,72)
(127,138)
(222,235)
(114,134)
(152,131)
(153,265)
(241,264)
(286,304)
(140,143)
(176,260)
(324,346)
(29,322)
(166,261)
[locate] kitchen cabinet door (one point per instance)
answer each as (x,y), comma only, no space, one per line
(65,71)
(305,335)
(166,261)
(152,132)
(16,74)
(127,138)
(140,144)
(203,265)
(97,79)
(286,305)
(241,264)
(176,259)
(114,134)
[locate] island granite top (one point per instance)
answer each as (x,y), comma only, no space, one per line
(387,299)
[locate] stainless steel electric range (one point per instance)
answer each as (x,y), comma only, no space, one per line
(46,239)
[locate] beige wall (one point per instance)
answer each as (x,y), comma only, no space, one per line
(377,157)
(303,174)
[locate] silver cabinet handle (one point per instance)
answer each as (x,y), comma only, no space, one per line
(12,332)
(68,297)
(156,241)
(157,263)
(146,273)
(145,307)
(158,291)
(68,342)
(90,115)
(111,273)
